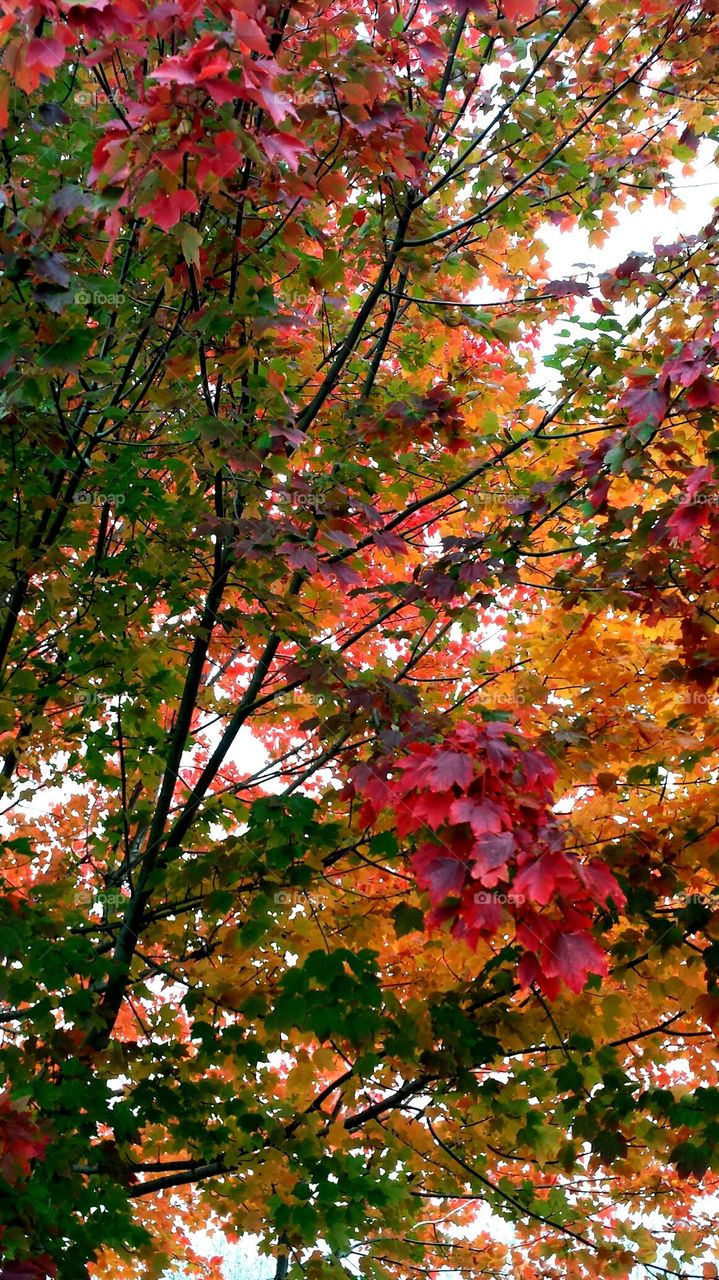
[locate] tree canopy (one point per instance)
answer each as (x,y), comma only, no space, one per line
(357,710)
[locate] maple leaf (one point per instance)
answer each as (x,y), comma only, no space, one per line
(448,768)
(598,493)
(438,871)
(167,209)
(222,160)
(21,1141)
(519,10)
(38,1268)
(685,368)
(702,393)
(538,880)
(558,288)
(600,883)
(485,817)
(249,33)
(258,85)
(490,857)
(686,519)
(425,807)
(700,477)
(571,957)
(530,973)
(284,146)
(644,403)
(500,752)
(481,7)
(480,916)
(299,557)
(390,542)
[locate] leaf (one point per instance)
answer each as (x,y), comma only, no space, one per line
(644,403)
(686,519)
(191,241)
(519,10)
(572,957)
(167,209)
(490,857)
(407,919)
(555,288)
(484,816)
(284,146)
(69,351)
(438,871)
(606,781)
(249,33)
(447,769)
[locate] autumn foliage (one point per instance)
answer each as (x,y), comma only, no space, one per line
(360,640)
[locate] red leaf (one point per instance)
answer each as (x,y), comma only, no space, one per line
(490,857)
(686,519)
(283,146)
(46,53)
(564,288)
(257,79)
(644,404)
(519,10)
(484,816)
(250,34)
(598,493)
(343,573)
(390,542)
(222,160)
(483,914)
(702,393)
(28,1268)
(300,558)
(540,879)
(500,753)
(529,973)
(572,957)
(697,480)
(600,883)
(685,368)
(427,808)
(438,871)
(447,769)
(167,209)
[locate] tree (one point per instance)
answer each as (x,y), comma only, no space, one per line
(358,726)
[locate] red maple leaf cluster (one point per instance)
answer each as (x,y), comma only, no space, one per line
(20,1140)
(491,849)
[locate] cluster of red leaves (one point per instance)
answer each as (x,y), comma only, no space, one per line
(424,420)
(232,65)
(20,1140)
(492,852)
(688,375)
(39,1268)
